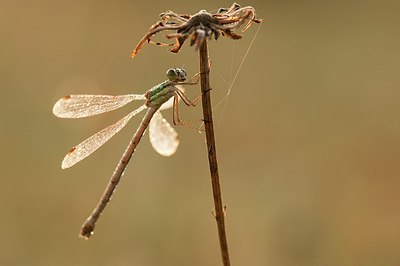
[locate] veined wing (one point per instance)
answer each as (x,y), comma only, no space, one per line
(84,105)
(163,136)
(88,146)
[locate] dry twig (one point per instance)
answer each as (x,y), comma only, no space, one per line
(200,28)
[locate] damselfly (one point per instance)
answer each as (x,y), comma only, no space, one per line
(163,137)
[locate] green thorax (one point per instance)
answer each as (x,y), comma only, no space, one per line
(159,94)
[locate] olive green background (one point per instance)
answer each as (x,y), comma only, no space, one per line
(308,139)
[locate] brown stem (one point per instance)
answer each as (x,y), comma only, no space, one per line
(212,153)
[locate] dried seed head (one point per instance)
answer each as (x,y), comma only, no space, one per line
(201,26)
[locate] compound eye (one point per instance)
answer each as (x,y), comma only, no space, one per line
(181,73)
(184,72)
(172,74)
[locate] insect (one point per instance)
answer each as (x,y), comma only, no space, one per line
(163,137)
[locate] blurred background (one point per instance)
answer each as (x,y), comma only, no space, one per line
(308,138)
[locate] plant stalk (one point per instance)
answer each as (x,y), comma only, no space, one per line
(212,153)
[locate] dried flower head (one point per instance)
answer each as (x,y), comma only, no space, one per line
(200,27)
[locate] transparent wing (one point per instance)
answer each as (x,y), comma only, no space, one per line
(163,136)
(88,146)
(81,105)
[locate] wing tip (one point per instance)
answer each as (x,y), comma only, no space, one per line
(58,109)
(67,163)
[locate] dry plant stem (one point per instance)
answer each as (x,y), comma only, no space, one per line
(212,154)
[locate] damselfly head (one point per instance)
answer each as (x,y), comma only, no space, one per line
(176,74)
